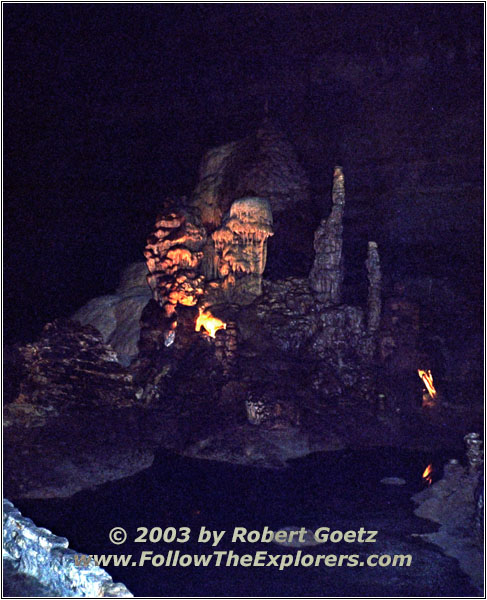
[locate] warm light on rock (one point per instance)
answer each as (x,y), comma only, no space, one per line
(427,378)
(240,247)
(209,323)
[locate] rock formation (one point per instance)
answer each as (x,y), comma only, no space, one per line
(263,165)
(226,344)
(271,413)
(37,552)
(117,316)
(239,254)
(326,276)
(174,254)
(374,297)
(451,502)
(399,331)
(67,369)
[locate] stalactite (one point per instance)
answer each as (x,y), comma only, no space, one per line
(326,276)
(240,249)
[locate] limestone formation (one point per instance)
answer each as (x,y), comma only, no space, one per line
(399,332)
(67,369)
(240,249)
(226,344)
(256,411)
(326,276)
(374,297)
(475,452)
(209,195)
(265,165)
(271,413)
(173,254)
(451,503)
(117,316)
(37,552)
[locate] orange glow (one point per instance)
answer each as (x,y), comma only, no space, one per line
(427,378)
(210,323)
(428,475)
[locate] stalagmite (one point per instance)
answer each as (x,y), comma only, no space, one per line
(326,276)
(374,297)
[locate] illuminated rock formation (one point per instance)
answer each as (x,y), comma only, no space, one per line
(173,254)
(240,249)
(326,276)
(38,553)
(265,165)
(209,196)
(374,297)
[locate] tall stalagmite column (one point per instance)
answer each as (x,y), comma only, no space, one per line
(374,298)
(326,276)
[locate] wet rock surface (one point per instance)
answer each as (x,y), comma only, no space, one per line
(288,369)
(452,502)
(288,376)
(47,563)
(339,490)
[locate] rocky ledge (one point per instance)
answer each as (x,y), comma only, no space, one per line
(456,503)
(288,380)
(47,559)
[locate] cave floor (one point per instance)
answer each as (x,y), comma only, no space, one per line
(143,467)
(66,454)
(341,490)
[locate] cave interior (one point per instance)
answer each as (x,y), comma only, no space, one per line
(244,262)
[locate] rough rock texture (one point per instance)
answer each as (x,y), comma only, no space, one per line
(284,318)
(451,503)
(17,585)
(153,331)
(238,255)
(264,165)
(173,254)
(374,296)
(68,369)
(272,413)
(399,333)
(331,342)
(226,348)
(327,273)
(117,316)
(35,551)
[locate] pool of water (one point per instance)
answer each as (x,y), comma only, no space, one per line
(339,490)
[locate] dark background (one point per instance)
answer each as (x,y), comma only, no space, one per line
(108,108)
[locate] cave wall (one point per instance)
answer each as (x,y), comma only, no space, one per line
(398,102)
